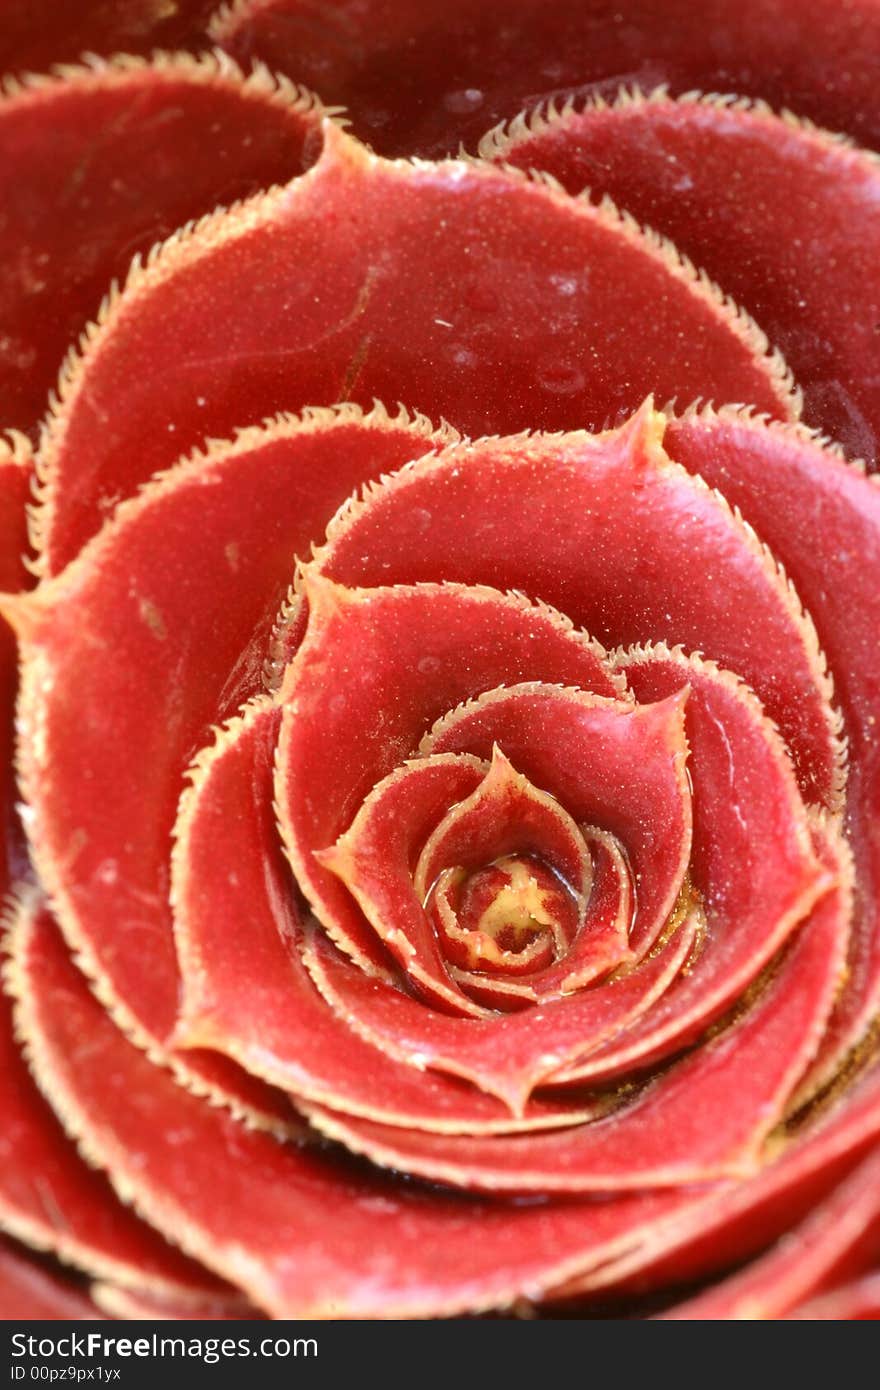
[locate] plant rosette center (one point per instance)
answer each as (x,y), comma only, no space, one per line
(509,916)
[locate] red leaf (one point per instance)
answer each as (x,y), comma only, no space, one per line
(422,75)
(15,480)
(52,1199)
(821,517)
(831,1243)
(752,863)
(29,1289)
(782,215)
(121,154)
(507,1056)
(488,299)
(705,1118)
(159,629)
(619,539)
(376,668)
(39,33)
(245,988)
(365,1244)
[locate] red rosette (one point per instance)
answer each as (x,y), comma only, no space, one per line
(443,856)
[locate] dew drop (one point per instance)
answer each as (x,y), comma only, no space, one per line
(463,357)
(461,102)
(561,378)
(566,285)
